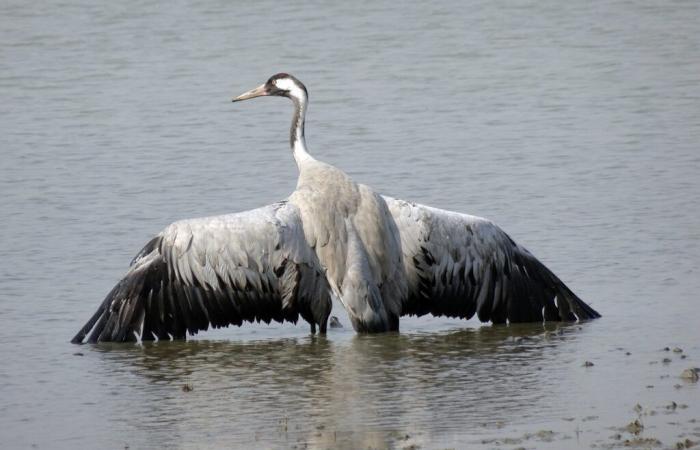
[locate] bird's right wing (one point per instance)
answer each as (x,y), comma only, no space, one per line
(216,271)
(459,265)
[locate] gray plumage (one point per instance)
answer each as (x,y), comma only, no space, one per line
(458,265)
(216,271)
(381,257)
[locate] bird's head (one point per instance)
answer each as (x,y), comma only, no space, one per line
(281,84)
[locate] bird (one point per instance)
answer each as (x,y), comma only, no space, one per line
(381,257)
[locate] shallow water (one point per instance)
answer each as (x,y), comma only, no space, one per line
(575,127)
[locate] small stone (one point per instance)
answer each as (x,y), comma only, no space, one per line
(635,427)
(685,444)
(638,408)
(683,356)
(628,353)
(666,349)
(588,364)
(672,406)
(642,442)
(692,374)
(78,354)
(666,360)
(677,350)
(545,435)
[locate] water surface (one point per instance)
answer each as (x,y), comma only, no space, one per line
(575,127)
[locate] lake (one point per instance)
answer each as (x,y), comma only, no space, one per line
(574,126)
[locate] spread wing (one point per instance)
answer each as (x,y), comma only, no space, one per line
(216,271)
(460,265)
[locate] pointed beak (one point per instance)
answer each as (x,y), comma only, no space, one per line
(257,92)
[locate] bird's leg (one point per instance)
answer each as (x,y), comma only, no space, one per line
(313,328)
(393,322)
(323,326)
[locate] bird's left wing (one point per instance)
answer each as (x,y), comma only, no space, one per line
(216,271)
(459,265)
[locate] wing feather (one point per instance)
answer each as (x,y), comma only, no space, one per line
(459,265)
(216,271)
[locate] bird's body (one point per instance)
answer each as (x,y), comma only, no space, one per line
(381,257)
(350,228)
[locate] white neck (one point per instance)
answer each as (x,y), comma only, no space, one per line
(296,133)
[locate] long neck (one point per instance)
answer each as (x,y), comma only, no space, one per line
(296,133)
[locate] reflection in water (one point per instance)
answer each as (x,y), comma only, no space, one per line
(365,390)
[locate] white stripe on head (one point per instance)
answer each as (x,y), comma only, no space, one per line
(289,85)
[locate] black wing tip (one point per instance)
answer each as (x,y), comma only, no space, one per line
(78,339)
(590,313)
(575,305)
(569,306)
(101,316)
